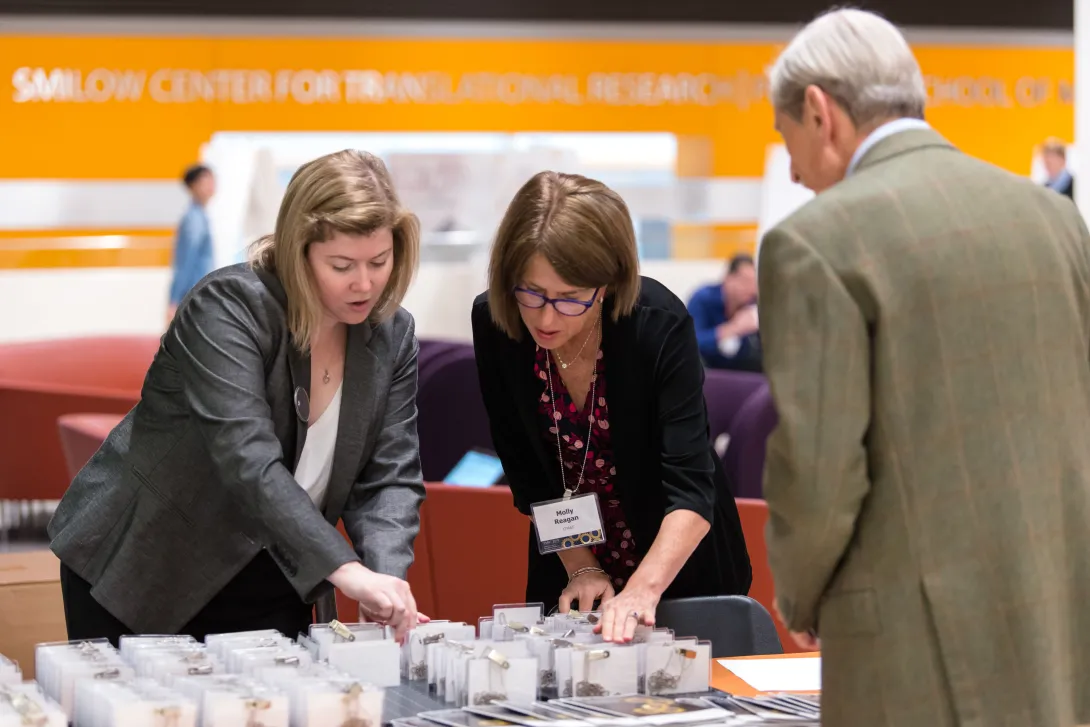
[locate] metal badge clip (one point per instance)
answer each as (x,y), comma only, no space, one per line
(341,630)
(498,659)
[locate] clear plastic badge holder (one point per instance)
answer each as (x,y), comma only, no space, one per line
(165,667)
(340,702)
(604,670)
(676,668)
(574,521)
(496,676)
(61,665)
(26,704)
(132,644)
(290,657)
(519,615)
(219,644)
(424,651)
(135,703)
(448,665)
(232,701)
(336,632)
(10,673)
(373,662)
(414,666)
(257,710)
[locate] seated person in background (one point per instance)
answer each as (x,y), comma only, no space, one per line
(1054,157)
(725,315)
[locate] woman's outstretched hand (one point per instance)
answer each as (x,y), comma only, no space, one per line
(383,599)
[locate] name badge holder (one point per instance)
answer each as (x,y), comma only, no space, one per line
(574,521)
(10,673)
(26,704)
(133,703)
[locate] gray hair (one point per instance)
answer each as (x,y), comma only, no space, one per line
(859,59)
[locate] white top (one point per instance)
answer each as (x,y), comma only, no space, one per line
(316,462)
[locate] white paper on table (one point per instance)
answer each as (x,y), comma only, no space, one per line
(801,674)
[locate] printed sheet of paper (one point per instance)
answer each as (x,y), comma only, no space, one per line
(778,675)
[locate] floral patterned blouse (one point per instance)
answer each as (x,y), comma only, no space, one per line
(617,556)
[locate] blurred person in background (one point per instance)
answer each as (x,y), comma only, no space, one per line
(1054,157)
(193,253)
(282,399)
(593,385)
(925,322)
(725,317)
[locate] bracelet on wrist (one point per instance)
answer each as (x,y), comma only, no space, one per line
(583,571)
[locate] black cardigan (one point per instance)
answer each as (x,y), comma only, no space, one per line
(659,427)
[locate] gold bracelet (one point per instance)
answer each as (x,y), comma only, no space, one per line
(583,572)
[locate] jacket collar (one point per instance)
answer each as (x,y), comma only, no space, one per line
(901,143)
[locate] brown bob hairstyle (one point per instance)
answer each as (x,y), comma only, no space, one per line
(581,227)
(348,191)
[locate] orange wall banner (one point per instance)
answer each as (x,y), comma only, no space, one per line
(139,108)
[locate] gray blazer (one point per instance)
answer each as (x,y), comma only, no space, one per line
(197,479)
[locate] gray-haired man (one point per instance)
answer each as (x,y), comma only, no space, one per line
(926,329)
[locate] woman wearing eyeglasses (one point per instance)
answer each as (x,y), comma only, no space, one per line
(593,384)
(282,399)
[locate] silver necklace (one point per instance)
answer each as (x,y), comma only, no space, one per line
(578,354)
(556,423)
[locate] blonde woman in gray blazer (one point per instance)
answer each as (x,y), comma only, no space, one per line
(282,399)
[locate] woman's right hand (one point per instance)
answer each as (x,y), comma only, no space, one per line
(585,589)
(383,599)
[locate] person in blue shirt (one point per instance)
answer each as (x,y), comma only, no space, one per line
(193,253)
(1054,157)
(725,316)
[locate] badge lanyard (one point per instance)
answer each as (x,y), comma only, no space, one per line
(575,521)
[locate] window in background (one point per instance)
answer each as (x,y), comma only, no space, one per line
(459,184)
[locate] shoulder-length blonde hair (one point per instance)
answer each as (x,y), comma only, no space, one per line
(351,192)
(581,227)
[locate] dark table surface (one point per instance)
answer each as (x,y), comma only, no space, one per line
(412,698)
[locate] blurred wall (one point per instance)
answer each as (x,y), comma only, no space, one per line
(97,121)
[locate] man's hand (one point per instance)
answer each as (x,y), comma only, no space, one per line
(741,325)
(807,641)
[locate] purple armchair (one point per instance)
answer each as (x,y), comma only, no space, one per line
(452,419)
(744,460)
(725,392)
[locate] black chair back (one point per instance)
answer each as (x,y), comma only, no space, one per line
(735,625)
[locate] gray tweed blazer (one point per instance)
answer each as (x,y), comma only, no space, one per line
(197,478)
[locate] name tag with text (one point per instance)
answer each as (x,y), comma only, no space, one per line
(567,524)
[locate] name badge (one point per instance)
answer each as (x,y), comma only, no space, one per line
(575,522)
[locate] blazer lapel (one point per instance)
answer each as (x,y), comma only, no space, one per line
(528,389)
(626,421)
(299,364)
(358,398)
